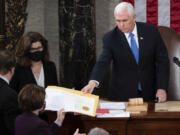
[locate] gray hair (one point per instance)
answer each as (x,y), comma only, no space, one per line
(98,131)
(122,6)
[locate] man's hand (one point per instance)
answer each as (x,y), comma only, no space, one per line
(90,87)
(162,96)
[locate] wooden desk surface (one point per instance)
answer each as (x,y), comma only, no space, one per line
(150,123)
(151,114)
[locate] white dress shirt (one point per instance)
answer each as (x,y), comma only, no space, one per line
(5,79)
(40,80)
(135,36)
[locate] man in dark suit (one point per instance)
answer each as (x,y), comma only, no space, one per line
(8,96)
(140,65)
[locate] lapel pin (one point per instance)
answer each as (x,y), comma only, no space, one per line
(141,38)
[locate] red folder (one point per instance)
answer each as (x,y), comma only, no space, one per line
(102,111)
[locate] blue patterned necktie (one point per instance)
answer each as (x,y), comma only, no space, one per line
(135,51)
(134,47)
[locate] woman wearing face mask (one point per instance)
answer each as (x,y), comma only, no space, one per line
(32,63)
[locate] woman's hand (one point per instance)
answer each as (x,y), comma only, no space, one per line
(77,132)
(60,116)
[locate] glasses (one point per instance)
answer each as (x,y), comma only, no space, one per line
(40,48)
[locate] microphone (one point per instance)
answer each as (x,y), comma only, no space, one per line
(176,61)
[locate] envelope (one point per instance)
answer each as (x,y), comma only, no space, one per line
(71,100)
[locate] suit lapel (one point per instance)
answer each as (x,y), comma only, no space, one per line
(31,75)
(141,42)
(125,45)
(3,82)
(45,73)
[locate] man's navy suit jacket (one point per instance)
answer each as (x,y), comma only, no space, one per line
(8,108)
(152,71)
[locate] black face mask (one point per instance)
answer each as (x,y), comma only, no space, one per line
(36,56)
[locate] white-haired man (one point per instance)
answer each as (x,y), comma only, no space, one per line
(140,64)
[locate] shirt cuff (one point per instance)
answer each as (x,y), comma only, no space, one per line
(57,123)
(97,83)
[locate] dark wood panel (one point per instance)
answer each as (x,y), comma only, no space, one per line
(153,127)
(114,126)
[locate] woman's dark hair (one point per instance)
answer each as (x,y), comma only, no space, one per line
(31,97)
(24,46)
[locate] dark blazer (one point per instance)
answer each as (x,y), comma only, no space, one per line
(30,124)
(24,75)
(8,108)
(152,71)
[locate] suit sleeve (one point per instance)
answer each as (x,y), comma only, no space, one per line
(14,84)
(162,64)
(101,67)
(46,129)
(10,112)
(55,128)
(50,73)
(54,74)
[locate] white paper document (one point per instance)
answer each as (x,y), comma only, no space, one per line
(112,105)
(114,114)
(71,100)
